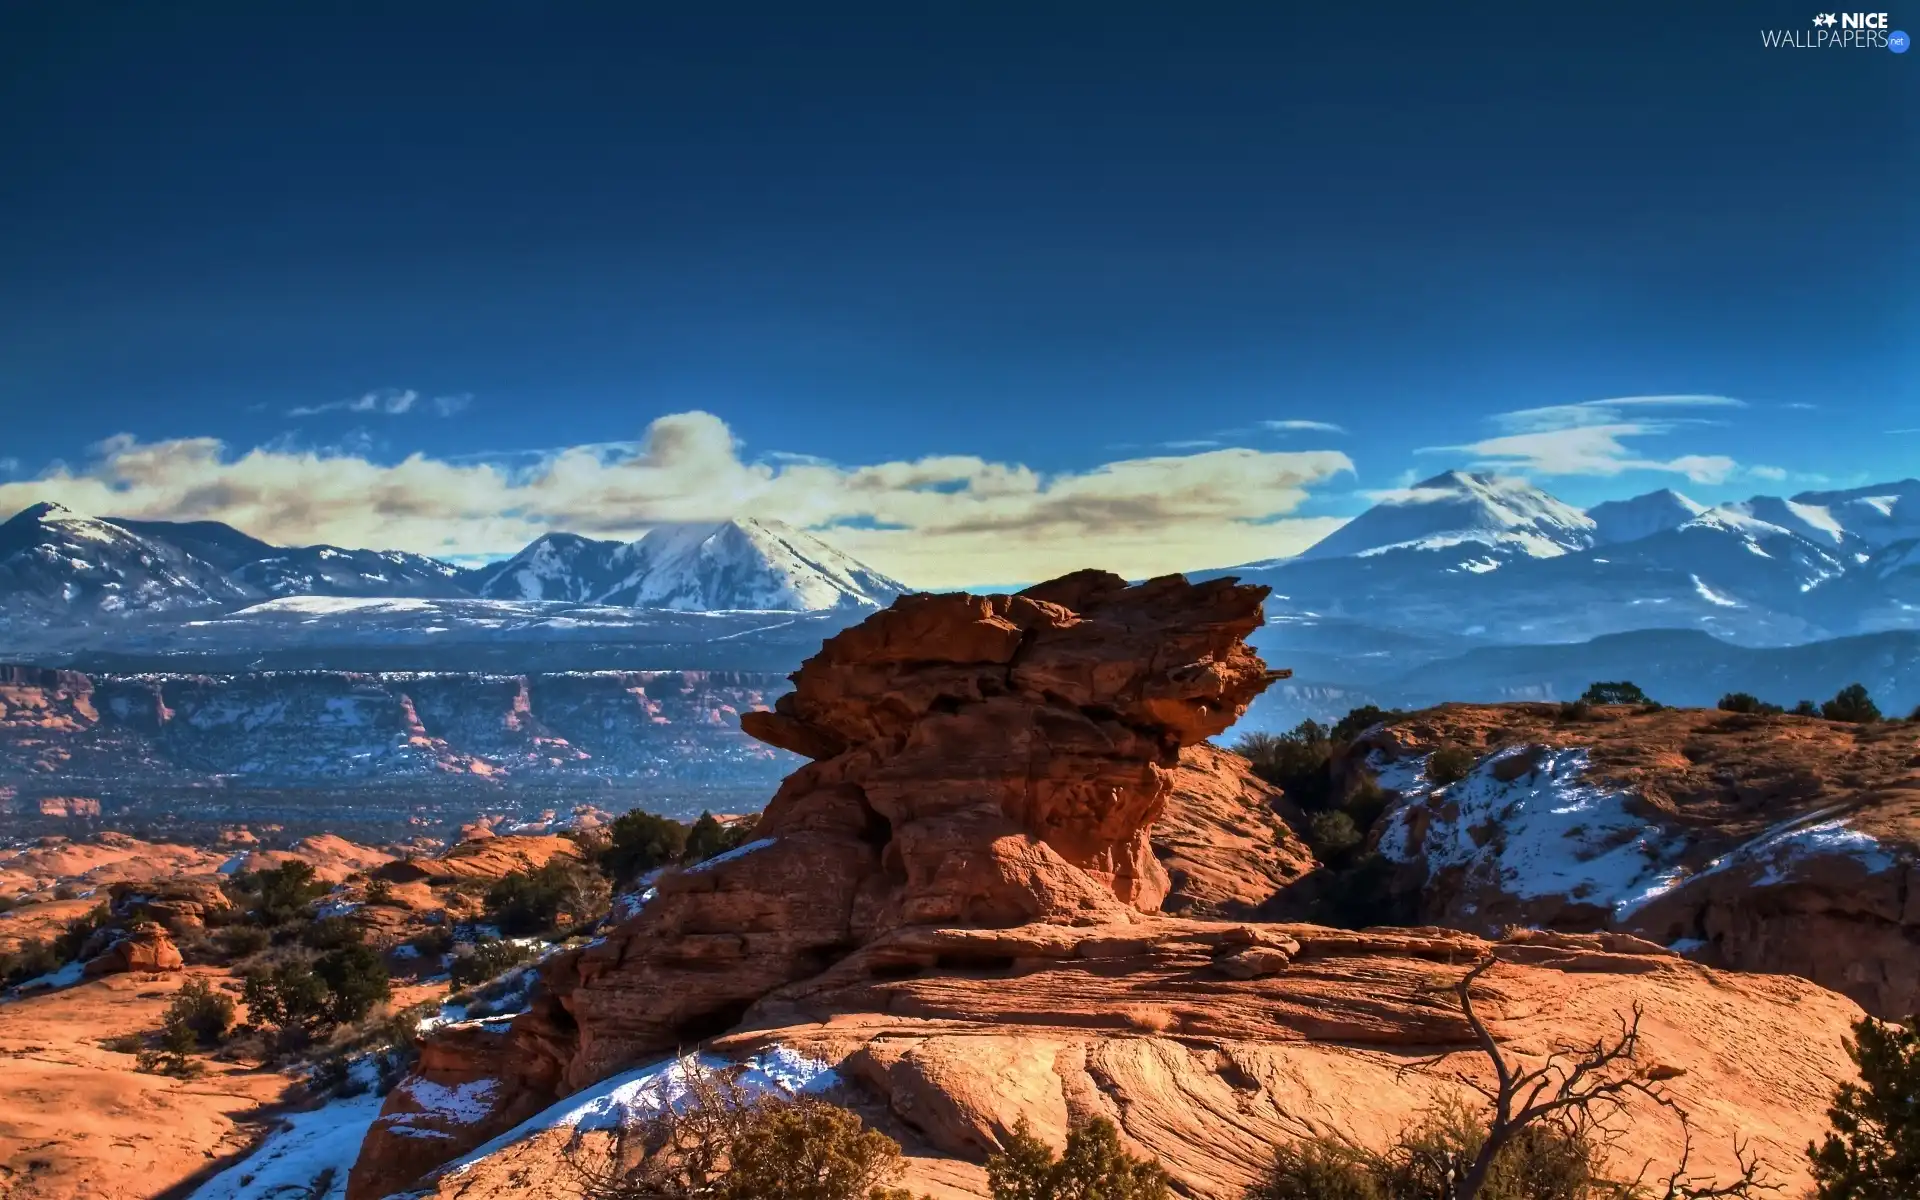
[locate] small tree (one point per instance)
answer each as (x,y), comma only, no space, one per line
(286,996)
(287,891)
(1297,762)
(1873,1152)
(1622,692)
(1094,1166)
(356,980)
(1359,720)
(488,959)
(1852,704)
(638,842)
(205,1014)
(1806,708)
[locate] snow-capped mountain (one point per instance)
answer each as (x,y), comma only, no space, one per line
(1491,561)
(55,564)
(1456,509)
(554,566)
(1618,521)
(744,564)
(703,567)
(332,571)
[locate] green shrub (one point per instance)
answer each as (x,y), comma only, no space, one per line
(242,941)
(174,1055)
(1873,1152)
(1298,762)
(1622,692)
(720,1141)
(279,895)
(548,898)
(1914,716)
(1576,710)
(1746,702)
(1359,720)
(1806,708)
(1543,1162)
(380,891)
(638,842)
(205,1014)
(330,933)
(286,996)
(355,979)
(432,943)
(30,960)
(1450,764)
(1093,1165)
(1852,704)
(1333,836)
(69,942)
(487,960)
(708,838)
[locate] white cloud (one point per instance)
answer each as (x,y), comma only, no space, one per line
(1302,426)
(1771,474)
(389,402)
(933,522)
(1801,406)
(1589,438)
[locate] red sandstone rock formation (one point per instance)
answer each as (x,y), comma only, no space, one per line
(987,761)
(147,947)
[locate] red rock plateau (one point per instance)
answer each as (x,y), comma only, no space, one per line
(958,904)
(1760,843)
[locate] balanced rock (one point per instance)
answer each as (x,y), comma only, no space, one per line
(980,761)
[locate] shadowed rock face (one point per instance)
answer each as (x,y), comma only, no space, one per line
(979,761)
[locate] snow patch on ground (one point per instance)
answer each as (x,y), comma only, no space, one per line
(461,1104)
(627,1098)
(1547,832)
(68,975)
(292,1161)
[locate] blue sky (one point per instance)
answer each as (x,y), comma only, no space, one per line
(427,275)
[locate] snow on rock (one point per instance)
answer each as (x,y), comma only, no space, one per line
(624,1099)
(308,1156)
(68,975)
(1545,832)
(1778,855)
(729,856)
(459,1104)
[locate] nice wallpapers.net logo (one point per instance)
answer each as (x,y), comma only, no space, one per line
(1840,31)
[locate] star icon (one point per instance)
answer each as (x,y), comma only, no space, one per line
(1825,19)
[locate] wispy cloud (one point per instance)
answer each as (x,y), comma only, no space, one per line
(389,402)
(1302,426)
(1770,474)
(1801,406)
(934,522)
(1590,438)
(1916,430)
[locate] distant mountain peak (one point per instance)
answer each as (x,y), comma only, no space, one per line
(1618,521)
(1457,507)
(738,563)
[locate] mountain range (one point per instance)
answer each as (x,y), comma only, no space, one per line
(1408,601)
(58,568)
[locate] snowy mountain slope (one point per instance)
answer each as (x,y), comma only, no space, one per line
(332,571)
(1455,509)
(554,566)
(1878,514)
(743,564)
(1618,521)
(57,565)
(213,542)
(1466,556)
